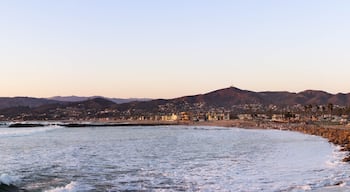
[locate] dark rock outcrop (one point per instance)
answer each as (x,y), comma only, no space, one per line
(10,188)
(23,125)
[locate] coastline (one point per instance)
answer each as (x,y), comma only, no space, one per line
(336,134)
(234,152)
(339,135)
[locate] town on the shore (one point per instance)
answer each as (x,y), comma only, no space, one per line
(323,114)
(309,114)
(307,107)
(312,112)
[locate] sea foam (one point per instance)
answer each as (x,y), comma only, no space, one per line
(18,132)
(71,187)
(7,180)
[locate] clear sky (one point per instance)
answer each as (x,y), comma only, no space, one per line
(171,48)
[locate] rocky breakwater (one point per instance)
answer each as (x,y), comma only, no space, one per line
(338,136)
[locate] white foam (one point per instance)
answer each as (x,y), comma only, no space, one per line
(305,187)
(17,132)
(71,187)
(336,157)
(343,184)
(7,180)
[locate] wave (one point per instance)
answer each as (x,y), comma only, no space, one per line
(7,180)
(337,156)
(18,132)
(71,187)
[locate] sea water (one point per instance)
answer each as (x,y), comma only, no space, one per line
(169,158)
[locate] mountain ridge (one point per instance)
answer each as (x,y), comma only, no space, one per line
(9,102)
(221,99)
(74,98)
(237,96)
(227,98)
(32,102)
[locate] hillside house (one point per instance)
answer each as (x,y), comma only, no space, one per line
(185,116)
(245,117)
(172,117)
(214,116)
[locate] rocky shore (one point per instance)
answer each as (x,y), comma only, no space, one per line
(10,188)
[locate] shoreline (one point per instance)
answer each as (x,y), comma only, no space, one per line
(338,134)
(229,125)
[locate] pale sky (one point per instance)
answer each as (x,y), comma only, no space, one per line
(171,48)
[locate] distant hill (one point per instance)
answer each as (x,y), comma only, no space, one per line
(99,107)
(8,102)
(31,102)
(77,99)
(95,103)
(228,97)
(64,110)
(234,96)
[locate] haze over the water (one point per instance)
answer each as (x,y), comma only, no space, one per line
(165,49)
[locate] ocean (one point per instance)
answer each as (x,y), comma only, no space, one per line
(169,158)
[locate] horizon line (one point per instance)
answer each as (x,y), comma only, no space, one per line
(115,97)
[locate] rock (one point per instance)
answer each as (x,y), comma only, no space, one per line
(23,125)
(10,188)
(346,159)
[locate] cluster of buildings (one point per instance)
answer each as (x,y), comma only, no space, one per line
(288,117)
(183,116)
(257,112)
(197,112)
(282,117)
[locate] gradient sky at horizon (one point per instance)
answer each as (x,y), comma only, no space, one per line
(166,49)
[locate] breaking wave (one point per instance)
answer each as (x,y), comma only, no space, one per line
(7,180)
(71,187)
(19,132)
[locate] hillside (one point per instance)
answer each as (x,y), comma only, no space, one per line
(9,102)
(62,111)
(228,99)
(78,99)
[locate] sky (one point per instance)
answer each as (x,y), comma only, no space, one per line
(172,48)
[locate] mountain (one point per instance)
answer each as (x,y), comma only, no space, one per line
(95,103)
(224,97)
(8,102)
(77,99)
(70,98)
(234,96)
(231,98)
(90,108)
